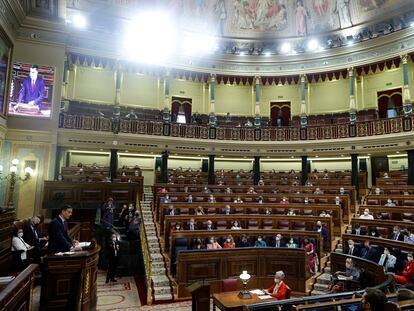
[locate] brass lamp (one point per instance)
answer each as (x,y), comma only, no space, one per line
(244,293)
(13,178)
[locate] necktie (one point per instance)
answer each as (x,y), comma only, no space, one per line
(351,249)
(396,236)
(35,233)
(33,85)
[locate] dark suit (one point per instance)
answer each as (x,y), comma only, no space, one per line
(31,236)
(354,252)
(281,243)
(362,232)
(59,239)
(369,254)
(35,92)
(113,259)
(395,236)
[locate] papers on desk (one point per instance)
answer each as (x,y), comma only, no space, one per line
(263,297)
(341,277)
(84,244)
(6,280)
(257,292)
(65,253)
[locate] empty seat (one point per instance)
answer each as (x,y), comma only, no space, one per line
(253,224)
(229,285)
(267,224)
(283,225)
(211,210)
(409,202)
(184,211)
(222,225)
(323,201)
(307,212)
(383,232)
(372,202)
(253,210)
(280,211)
(239,210)
(299,225)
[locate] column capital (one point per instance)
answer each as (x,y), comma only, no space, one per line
(212,77)
(257,79)
(404,59)
(302,77)
(351,71)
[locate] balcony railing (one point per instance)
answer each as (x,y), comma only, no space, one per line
(312,132)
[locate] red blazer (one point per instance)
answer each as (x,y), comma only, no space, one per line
(409,270)
(281,291)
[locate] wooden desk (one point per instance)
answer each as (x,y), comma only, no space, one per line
(230,301)
(69,281)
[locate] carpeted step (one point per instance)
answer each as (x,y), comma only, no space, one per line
(157,257)
(327,270)
(160,281)
(158,271)
(317,292)
(321,287)
(324,278)
(157,264)
(163,297)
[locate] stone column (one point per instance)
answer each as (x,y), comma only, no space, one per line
(167,105)
(113,164)
(257,118)
(304,176)
(211,172)
(352,103)
(406,90)
(164,166)
(303,117)
(212,119)
(256,170)
(355,173)
(410,155)
(117,108)
(58,157)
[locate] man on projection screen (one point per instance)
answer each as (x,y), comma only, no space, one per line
(32,91)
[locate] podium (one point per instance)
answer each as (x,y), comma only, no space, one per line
(69,281)
(200,293)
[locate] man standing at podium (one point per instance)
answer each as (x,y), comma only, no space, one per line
(59,239)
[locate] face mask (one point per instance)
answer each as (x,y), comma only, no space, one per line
(228,240)
(291,241)
(347,265)
(373,233)
(211,241)
(259,239)
(277,280)
(191,223)
(114,239)
(366,213)
(20,234)
(177,227)
(306,201)
(236,225)
(351,245)
(395,231)
(409,258)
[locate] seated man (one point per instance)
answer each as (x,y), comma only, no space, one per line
(321,229)
(279,289)
(373,300)
(396,234)
(390,203)
(244,241)
(227,210)
(388,261)
(318,191)
(366,215)
(357,230)
(368,252)
(352,249)
(279,242)
(346,279)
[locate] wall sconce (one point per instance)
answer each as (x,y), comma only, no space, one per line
(244,293)
(12,178)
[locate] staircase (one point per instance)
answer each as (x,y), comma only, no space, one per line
(322,282)
(161,285)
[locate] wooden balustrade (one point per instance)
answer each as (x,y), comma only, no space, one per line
(313,132)
(265,223)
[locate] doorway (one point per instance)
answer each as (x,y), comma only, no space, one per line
(280,113)
(389,103)
(181,109)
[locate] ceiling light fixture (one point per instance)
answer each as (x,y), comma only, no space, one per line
(313,44)
(79,21)
(286,47)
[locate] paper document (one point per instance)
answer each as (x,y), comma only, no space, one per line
(6,280)
(257,292)
(263,297)
(84,244)
(341,277)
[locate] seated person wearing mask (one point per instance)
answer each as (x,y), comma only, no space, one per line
(345,278)
(279,289)
(388,261)
(407,275)
(366,215)
(212,244)
(244,241)
(260,242)
(21,247)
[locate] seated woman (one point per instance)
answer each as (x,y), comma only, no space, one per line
(278,290)
(198,244)
(407,275)
(199,211)
(20,248)
(235,226)
(212,244)
(291,244)
(260,242)
(229,242)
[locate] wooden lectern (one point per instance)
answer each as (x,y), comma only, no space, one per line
(69,281)
(200,293)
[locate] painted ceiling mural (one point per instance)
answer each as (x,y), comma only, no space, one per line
(280,18)
(261,18)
